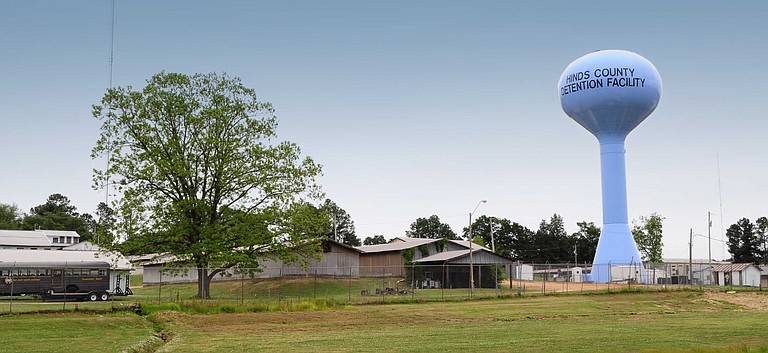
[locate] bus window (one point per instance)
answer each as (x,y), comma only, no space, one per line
(94,272)
(102,272)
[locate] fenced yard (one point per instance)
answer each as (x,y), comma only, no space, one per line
(413,284)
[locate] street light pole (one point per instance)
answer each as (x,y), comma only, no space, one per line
(709,236)
(471,261)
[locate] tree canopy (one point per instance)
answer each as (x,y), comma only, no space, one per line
(648,234)
(743,241)
(586,241)
(374,240)
(342,226)
(202,175)
(10,216)
(430,228)
(58,213)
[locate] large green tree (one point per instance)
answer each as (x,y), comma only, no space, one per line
(10,217)
(648,234)
(743,242)
(552,242)
(202,175)
(762,239)
(58,213)
(430,228)
(374,240)
(586,241)
(342,226)
(503,234)
(105,224)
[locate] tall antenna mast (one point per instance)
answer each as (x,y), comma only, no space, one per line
(111,62)
(112,45)
(720,193)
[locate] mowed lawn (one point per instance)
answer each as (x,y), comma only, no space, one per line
(75,332)
(661,322)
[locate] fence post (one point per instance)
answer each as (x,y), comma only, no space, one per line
(496,279)
(280,288)
(413,281)
(160,286)
(242,288)
(64,284)
(350,286)
(442,284)
(10,275)
(382,284)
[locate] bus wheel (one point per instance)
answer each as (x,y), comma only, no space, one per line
(103,296)
(93,296)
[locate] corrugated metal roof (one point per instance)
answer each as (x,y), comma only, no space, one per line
(731,267)
(447,255)
(23,238)
(407,243)
(58,233)
(670,260)
(72,258)
(465,243)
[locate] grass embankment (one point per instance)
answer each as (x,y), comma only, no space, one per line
(77,332)
(677,321)
(659,322)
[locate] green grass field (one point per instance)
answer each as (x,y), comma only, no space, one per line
(678,321)
(667,321)
(76,332)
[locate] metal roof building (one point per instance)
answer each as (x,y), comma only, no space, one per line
(37,239)
(21,258)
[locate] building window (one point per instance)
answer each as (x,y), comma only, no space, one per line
(69,240)
(61,240)
(55,240)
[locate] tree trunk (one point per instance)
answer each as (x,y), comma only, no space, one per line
(203,283)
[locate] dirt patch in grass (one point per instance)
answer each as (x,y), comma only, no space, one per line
(749,300)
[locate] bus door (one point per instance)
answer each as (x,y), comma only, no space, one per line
(56,275)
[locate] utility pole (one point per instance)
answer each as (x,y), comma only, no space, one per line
(709,237)
(493,240)
(575,254)
(471,264)
(690,258)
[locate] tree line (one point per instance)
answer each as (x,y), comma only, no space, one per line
(549,243)
(747,241)
(58,213)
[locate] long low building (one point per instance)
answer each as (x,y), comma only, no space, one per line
(37,239)
(337,261)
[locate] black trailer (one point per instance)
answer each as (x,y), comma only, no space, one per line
(54,279)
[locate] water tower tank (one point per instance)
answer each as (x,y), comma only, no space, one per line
(609,93)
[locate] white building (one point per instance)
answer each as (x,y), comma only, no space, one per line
(743,274)
(37,239)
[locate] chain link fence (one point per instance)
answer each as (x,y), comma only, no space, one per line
(398,283)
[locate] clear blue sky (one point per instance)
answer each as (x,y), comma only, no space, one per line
(415,107)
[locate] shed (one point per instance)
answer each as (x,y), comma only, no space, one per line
(451,268)
(388,260)
(741,274)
